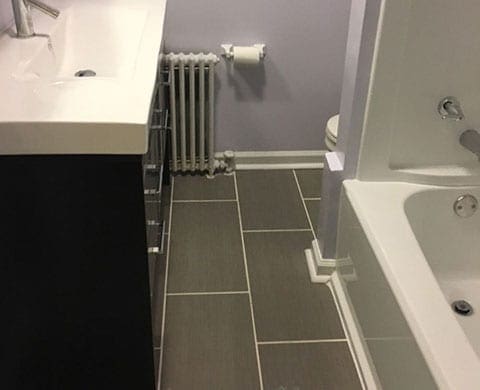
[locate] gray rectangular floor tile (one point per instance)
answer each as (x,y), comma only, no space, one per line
(209,344)
(313,207)
(205,248)
(270,200)
(286,304)
(202,188)
(316,366)
(310,181)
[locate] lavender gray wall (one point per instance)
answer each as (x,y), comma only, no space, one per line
(6,15)
(284,104)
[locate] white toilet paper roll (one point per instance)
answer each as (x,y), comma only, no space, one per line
(246,55)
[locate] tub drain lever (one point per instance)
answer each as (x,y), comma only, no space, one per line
(449,108)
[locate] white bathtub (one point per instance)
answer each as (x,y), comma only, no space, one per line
(413,256)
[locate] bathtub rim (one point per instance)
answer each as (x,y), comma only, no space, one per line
(376,204)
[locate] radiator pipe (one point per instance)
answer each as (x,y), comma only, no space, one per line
(183,138)
(211,129)
(193,158)
(201,120)
(173,113)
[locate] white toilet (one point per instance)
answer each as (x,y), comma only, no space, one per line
(331,133)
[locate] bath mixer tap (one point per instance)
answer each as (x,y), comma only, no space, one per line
(23,15)
(470,139)
(449,108)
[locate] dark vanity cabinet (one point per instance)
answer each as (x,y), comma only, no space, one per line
(75,296)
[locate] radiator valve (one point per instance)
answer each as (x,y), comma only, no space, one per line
(229,161)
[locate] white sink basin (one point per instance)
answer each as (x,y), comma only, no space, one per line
(45,109)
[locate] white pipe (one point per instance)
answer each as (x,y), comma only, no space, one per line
(211,128)
(173,113)
(201,83)
(183,140)
(192,115)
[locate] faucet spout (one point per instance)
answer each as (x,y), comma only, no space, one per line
(23,16)
(45,8)
(470,139)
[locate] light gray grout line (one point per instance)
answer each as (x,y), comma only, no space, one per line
(276,230)
(304,204)
(206,293)
(260,377)
(302,341)
(204,201)
(165,289)
(310,199)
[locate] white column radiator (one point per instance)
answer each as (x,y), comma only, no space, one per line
(191,104)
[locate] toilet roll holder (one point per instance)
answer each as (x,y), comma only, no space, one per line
(228,50)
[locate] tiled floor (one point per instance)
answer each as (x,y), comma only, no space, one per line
(240,310)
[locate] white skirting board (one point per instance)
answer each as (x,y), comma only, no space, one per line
(296,159)
(323,271)
(354,334)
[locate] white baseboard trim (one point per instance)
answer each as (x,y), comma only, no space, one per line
(361,355)
(326,271)
(296,159)
(315,277)
(320,269)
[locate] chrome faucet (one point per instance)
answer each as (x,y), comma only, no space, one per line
(470,139)
(23,16)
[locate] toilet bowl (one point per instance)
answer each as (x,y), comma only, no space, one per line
(331,133)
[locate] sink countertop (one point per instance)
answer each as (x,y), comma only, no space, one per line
(46,110)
